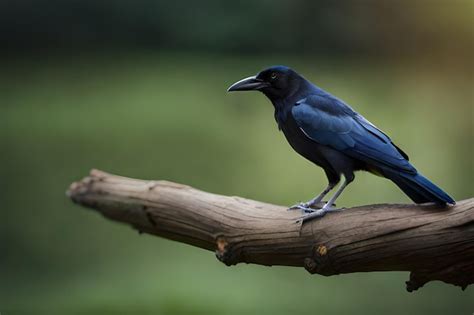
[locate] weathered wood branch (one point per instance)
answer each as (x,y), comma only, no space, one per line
(431,243)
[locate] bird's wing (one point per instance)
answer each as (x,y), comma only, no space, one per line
(328,121)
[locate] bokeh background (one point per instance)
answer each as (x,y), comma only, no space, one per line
(138,88)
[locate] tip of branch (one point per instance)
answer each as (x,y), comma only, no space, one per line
(71,189)
(78,188)
(98,173)
(81,187)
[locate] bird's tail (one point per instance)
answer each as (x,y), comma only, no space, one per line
(419,188)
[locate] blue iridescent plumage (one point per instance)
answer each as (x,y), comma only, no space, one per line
(328,132)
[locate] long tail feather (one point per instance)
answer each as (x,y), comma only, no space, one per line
(419,188)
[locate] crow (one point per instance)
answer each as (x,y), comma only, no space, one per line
(329,133)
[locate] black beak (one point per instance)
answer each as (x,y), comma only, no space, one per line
(248,84)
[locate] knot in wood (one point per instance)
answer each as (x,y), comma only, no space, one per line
(320,262)
(221,244)
(224,252)
(322,250)
(310,265)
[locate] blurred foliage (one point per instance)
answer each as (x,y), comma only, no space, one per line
(138,88)
(168,116)
(369,27)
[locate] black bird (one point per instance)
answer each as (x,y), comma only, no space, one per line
(328,132)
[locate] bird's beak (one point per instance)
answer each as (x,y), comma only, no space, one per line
(248,84)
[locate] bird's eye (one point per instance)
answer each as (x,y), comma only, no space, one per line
(273,76)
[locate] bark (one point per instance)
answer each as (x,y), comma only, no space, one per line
(432,243)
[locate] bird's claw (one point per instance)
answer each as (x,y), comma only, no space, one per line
(317,213)
(303,208)
(307,205)
(299,206)
(332,208)
(311,215)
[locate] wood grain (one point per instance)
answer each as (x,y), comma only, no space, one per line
(431,243)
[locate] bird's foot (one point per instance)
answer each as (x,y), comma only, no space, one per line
(331,208)
(309,206)
(304,209)
(311,214)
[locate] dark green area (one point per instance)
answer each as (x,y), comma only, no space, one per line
(168,116)
(138,88)
(336,28)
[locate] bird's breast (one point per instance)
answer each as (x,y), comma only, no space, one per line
(300,142)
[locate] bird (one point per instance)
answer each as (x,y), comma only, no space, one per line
(328,132)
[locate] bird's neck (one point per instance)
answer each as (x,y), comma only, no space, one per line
(283,105)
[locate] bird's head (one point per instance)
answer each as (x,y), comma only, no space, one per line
(275,82)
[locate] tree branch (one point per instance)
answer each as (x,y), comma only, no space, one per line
(432,243)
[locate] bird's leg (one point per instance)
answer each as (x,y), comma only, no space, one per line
(307,206)
(328,207)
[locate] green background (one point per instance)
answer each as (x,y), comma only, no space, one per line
(162,112)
